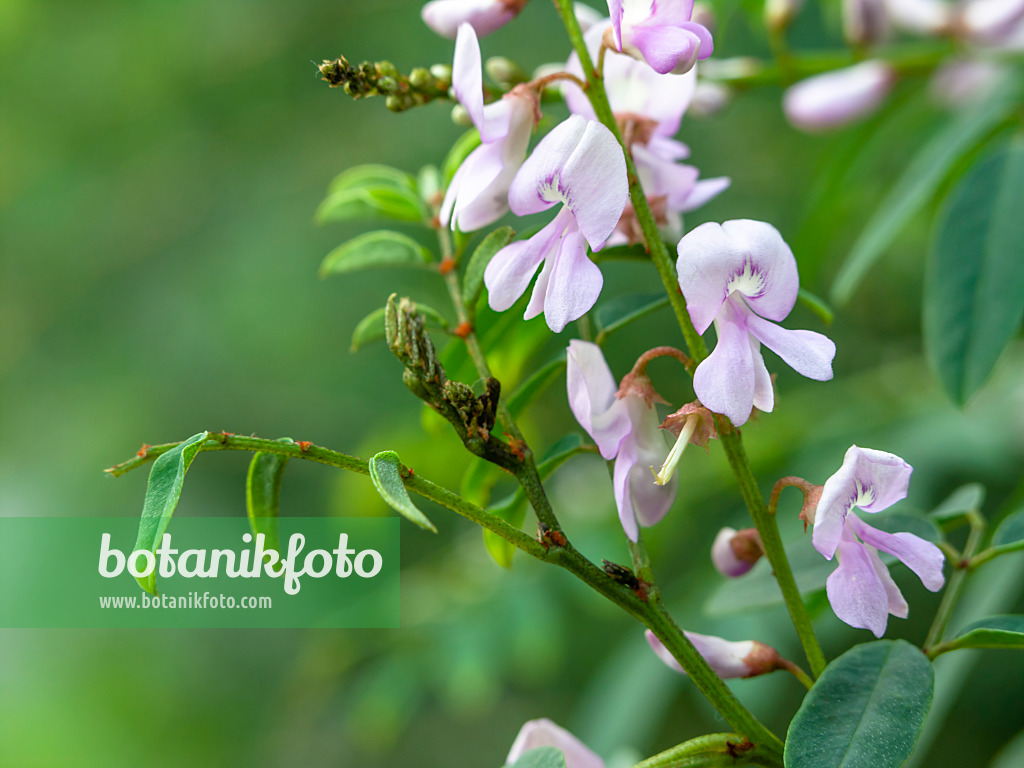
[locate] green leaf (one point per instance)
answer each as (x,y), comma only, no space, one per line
(473,282)
(539,380)
(966,498)
(1005,631)
(479,480)
(263,495)
(512,509)
(385,472)
(865,711)
(918,184)
(817,305)
(1010,531)
(622,310)
(371,327)
(372,175)
(375,249)
(369,202)
(974,284)
(166,479)
(465,144)
(541,757)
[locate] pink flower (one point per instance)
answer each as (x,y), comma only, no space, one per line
(746,658)
(660,32)
(625,427)
(478,193)
(741,274)
(544,733)
(839,97)
(446,16)
(735,552)
(648,107)
(861,591)
(580,165)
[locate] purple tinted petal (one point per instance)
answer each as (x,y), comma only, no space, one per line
(666,49)
(591,388)
(725,657)
(467,73)
(724,557)
(572,285)
(621,486)
(670,12)
(806,352)
(668,148)
(478,172)
(764,391)
(703,35)
(922,557)
(837,498)
(485,16)
(511,269)
(724,382)
(768,278)
(650,501)
(615,12)
(708,258)
(839,97)
(855,591)
(593,182)
(897,604)
(544,733)
(703,191)
(663,653)
(534,189)
(662,178)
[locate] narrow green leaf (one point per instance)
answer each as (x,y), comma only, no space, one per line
(163,490)
(263,495)
(1005,631)
(541,757)
(385,472)
(622,310)
(974,284)
(966,498)
(1010,531)
(918,184)
(473,282)
(371,327)
(371,175)
(460,150)
(817,305)
(512,509)
(865,711)
(369,202)
(538,381)
(375,249)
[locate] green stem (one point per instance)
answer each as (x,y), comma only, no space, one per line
(729,437)
(715,750)
(956,581)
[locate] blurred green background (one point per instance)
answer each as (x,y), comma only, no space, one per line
(159,167)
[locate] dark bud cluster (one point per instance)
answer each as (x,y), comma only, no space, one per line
(382,78)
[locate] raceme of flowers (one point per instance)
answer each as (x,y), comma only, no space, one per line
(741,275)
(861,591)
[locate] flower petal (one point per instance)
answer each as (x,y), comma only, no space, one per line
(544,733)
(707,259)
(666,49)
(615,11)
(703,192)
(724,656)
(467,73)
(465,202)
(650,502)
(572,285)
(663,653)
(897,603)
(724,382)
(510,271)
(591,389)
(838,97)
(485,16)
(855,590)
(624,463)
(808,353)
(764,390)
(773,290)
(922,557)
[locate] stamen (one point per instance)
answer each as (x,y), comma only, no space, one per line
(669,467)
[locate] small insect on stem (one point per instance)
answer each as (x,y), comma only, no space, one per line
(550,537)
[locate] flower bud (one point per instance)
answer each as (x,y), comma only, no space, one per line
(747,658)
(420,78)
(840,97)
(485,16)
(865,22)
(778,14)
(709,98)
(443,74)
(991,20)
(460,116)
(735,552)
(958,83)
(504,71)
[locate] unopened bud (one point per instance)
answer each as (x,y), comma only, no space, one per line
(747,658)
(840,97)
(865,22)
(989,21)
(504,71)
(387,85)
(460,116)
(778,14)
(387,69)
(420,78)
(735,552)
(395,102)
(443,74)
